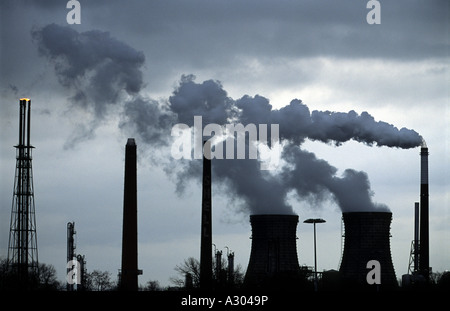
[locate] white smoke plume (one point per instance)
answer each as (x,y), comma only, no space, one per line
(92,63)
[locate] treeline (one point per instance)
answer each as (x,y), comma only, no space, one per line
(46,279)
(188,278)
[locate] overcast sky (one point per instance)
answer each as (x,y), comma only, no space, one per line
(114,76)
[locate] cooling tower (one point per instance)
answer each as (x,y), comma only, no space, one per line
(367,237)
(273,260)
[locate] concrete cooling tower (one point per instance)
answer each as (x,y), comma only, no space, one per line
(273,260)
(367,237)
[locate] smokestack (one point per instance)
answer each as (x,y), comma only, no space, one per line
(367,238)
(416,235)
(129,271)
(424,254)
(206,223)
(273,259)
(231,268)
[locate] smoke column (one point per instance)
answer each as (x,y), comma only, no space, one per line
(102,73)
(309,177)
(91,62)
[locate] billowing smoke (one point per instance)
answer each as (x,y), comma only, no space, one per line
(312,179)
(101,71)
(93,63)
(96,66)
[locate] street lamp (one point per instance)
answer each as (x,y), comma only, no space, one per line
(315,221)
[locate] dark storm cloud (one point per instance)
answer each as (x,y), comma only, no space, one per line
(101,69)
(183,36)
(292,29)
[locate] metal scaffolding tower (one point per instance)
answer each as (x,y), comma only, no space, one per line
(22,245)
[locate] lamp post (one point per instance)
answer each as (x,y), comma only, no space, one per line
(314,221)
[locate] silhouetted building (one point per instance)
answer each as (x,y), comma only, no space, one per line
(367,237)
(273,260)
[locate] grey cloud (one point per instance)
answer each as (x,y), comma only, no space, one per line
(287,29)
(100,69)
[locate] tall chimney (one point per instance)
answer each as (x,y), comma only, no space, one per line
(424,251)
(416,235)
(367,237)
(273,260)
(129,271)
(206,222)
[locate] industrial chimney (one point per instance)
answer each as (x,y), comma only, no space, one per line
(206,222)
(129,272)
(367,237)
(424,246)
(273,259)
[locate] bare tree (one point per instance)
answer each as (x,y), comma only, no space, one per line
(47,277)
(99,281)
(152,286)
(191,266)
(44,279)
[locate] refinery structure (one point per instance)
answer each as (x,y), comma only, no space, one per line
(22,245)
(274,259)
